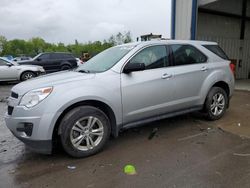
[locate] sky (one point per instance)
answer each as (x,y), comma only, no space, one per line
(84,20)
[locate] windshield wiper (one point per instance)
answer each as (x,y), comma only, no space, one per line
(84,71)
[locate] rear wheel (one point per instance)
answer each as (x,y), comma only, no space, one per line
(85,130)
(216,103)
(27,75)
(65,67)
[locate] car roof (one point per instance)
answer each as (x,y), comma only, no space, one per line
(145,43)
(56,53)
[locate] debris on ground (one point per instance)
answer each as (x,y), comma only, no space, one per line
(3,99)
(3,150)
(239,124)
(221,129)
(242,154)
(191,136)
(71,167)
(130,170)
(153,133)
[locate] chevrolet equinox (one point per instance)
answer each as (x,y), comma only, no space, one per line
(120,88)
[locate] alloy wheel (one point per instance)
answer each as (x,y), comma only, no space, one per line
(86,133)
(218,104)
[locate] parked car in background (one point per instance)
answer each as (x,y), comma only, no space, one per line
(9,57)
(122,87)
(21,58)
(79,62)
(53,61)
(11,71)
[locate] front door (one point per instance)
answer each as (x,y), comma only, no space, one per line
(148,93)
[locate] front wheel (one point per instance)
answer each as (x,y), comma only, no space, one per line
(27,75)
(216,103)
(84,131)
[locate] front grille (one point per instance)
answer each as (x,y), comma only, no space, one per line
(10,110)
(14,95)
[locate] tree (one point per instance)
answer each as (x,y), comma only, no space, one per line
(3,42)
(37,45)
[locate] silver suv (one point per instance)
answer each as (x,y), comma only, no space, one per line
(122,87)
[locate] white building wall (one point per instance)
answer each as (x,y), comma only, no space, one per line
(183,19)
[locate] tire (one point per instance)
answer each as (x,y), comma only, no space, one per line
(216,103)
(80,140)
(65,67)
(27,75)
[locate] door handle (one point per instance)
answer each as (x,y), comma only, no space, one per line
(204,69)
(166,76)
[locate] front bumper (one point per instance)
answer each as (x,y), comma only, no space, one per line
(26,134)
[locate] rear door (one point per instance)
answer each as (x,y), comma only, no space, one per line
(189,72)
(148,93)
(56,59)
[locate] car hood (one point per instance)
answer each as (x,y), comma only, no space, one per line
(50,80)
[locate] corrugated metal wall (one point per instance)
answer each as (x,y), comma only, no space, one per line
(235,49)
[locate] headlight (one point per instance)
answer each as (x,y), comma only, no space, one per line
(41,69)
(34,97)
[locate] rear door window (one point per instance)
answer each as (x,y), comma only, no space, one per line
(217,50)
(56,56)
(44,56)
(184,54)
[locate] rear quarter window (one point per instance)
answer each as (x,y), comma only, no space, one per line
(217,50)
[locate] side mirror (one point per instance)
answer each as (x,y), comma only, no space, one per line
(38,59)
(133,67)
(9,64)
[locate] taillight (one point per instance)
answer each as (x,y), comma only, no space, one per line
(232,67)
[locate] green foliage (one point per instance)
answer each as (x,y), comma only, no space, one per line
(37,45)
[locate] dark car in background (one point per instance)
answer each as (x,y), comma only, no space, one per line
(53,61)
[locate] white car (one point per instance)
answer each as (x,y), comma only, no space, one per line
(11,71)
(79,62)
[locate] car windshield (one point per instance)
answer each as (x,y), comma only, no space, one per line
(36,56)
(5,60)
(105,60)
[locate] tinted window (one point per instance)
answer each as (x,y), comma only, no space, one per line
(69,56)
(153,57)
(57,56)
(187,54)
(44,56)
(217,50)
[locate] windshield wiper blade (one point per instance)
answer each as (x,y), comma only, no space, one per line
(84,71)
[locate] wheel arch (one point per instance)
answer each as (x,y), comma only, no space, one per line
(222,85)
(67,63)
(21,73)
(95,103)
